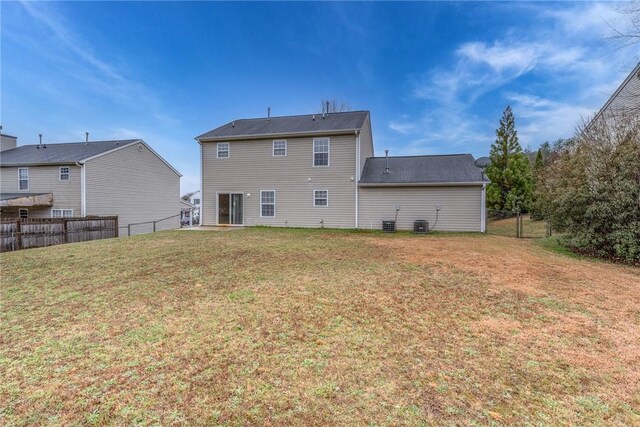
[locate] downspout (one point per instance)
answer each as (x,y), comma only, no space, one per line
(483,209)
(357,180)
(83,189)
(201,208)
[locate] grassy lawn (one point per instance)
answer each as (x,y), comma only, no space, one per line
(316,327)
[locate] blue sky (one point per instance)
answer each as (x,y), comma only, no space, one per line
(435,76)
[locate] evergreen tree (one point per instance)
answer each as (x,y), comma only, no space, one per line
(538,165)
(509,171)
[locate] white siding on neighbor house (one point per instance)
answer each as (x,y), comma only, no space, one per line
(8,142)
(366,142)
(46,179)
(252,167)
(460,207)
(135,185)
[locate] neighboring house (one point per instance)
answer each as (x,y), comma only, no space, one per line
(318,170)
(190,208)
(624,103)
(125,178)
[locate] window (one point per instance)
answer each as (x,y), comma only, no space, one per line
(279,148)
(23,213)
(223,150)
(196,201)
(23,178)
(61,213)
(268,203)
(320,151)
(64,173)
(320,197)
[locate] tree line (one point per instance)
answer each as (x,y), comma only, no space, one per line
(587,187)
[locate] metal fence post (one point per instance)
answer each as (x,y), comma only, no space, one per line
(154,226)
(129,230)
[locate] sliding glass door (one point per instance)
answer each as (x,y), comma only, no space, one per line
(230,208)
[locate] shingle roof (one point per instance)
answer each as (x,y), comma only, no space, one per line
(437,169)
(65,153)
(286,125)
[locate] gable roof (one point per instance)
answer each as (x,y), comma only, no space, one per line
(448,169)
(68,153)
(59,154)
(335,123)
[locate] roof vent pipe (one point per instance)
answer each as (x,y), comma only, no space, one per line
(327,108)
(86,138)
(268,113)
(386,167)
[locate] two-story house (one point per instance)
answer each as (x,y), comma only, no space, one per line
(319,170)
(120,177)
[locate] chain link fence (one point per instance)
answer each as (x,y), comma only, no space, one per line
(514,224)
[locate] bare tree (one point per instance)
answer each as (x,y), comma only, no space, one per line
(334,106)
(628,35)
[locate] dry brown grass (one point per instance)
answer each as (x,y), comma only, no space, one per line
(311,327)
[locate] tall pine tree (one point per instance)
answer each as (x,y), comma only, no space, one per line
(509,171)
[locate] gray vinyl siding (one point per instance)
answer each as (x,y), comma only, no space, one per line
(135,185)
(460,207)
(7,142)
(251,167)
(627,100)
(46,179)
(366,142)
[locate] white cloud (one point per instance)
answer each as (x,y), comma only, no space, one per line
(60,31)
(516,59)
(402,127)
(573,70)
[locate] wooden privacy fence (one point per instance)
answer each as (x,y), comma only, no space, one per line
(17,233)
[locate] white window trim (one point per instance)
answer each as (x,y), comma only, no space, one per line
(20,212)
(313,153)
(68,173)
(273,148)
(28,180)
(62,210)
(218,150)
(274,203)
(314,199)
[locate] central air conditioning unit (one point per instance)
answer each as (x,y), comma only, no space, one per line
(389,226)
(420,226)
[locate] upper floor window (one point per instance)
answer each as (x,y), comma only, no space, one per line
(196,201)
(23,213)
(64,173)
(279,148)
(320,197)
(320,151)
(223,150)
(23,178)
(61,213)
(267,203)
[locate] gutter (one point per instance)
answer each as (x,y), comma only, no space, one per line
(202,139)
(421,184)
